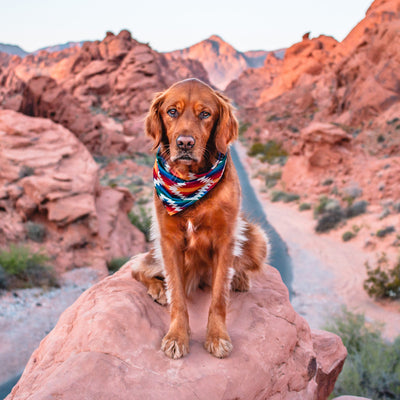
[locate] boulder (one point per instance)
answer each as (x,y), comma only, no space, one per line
(107,345)
(48,177)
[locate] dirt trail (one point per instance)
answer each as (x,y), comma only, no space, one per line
(327,273)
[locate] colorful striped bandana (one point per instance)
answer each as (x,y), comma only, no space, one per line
(176,193)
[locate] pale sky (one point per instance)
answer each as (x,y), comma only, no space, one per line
(175,24)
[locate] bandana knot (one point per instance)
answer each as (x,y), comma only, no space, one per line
(176,193)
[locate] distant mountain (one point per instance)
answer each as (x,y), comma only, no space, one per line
(60,47)
(12,49)
(221,60)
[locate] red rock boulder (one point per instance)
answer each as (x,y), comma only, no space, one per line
(107,345)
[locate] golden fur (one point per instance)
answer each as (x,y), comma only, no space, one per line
(209,242)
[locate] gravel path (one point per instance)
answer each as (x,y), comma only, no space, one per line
(27,316)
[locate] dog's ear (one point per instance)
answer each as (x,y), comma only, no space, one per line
(227,127)
(153,124)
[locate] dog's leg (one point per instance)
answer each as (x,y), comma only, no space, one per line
(218,342)
(175,343)
(146,268)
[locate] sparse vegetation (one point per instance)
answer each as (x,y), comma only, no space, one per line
(271,152)
(330,213)
(280,195)
(22,268)
(383,281)
(116,263)
(385,231)
(348,235)
(372,367)
(35,232)
(327,182)
(141,218)
(304,206)
(356,208)
(272,179)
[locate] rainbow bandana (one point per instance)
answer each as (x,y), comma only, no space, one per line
(176,193)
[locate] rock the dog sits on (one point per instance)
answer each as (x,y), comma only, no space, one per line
(199,236)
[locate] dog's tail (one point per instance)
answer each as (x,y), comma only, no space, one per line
(251,247)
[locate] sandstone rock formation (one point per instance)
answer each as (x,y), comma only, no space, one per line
(49,178)
(352,85)
(222,62)
(107,345)
(100,91)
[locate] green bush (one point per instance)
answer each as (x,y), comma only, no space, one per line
(142,220)
(372,367)
(279,195)
(272,178)
(320,208)
(304,206)
(35,232)
(348,235)
(385,231)
(357,208)
(116,263)
(383,281)
(271,152)
(22,268)
(329,220)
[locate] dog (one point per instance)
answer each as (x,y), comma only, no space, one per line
(199,236)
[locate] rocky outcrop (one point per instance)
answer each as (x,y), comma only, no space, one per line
(222,62)
(48,178)
(353,86)
(107,345)
(100,91)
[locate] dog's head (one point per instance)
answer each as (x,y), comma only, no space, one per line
(192,123)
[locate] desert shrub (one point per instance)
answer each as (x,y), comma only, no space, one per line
(372,367)
(380,138)
(142,220)
(357,208)
(327,182)
(272,178)
(271,152)
(280,195)
(383,281)
(3,278)
(348,235)
(325,204)
(385,231)
(23,268)
(35,232)
(304,206)
(329,220)
(116,263)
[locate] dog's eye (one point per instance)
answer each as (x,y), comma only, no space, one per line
(173,112)
(204,115)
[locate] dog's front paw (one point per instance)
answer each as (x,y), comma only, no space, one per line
(175,345)
(219,347)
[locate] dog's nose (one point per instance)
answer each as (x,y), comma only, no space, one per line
(185,142)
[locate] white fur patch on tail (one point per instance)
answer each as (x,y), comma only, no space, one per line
(239,236)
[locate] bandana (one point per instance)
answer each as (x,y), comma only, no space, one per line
(176,193)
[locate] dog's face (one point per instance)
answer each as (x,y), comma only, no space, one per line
(191,122)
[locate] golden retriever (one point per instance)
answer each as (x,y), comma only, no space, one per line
(206,241)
